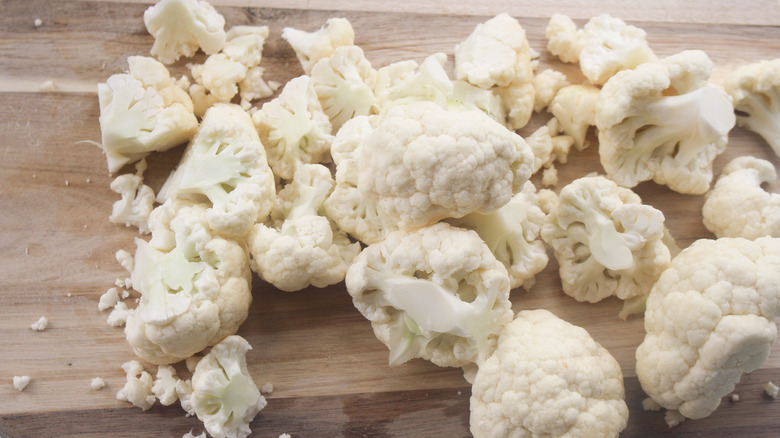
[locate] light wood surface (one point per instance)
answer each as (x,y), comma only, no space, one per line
(329,372)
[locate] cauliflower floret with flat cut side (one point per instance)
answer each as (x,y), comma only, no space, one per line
(663,121)
(564,40)
(512,234)
(546,86)
(437,293)
(310,47)
(137,200)
(294,129)
(138,387)
(142,111)
(195,286)
(225,165)
(547,378)
(575,108)
(737,206)
(181,27)
(606,242)
(610,45)
(709,319)
(224,396)
(755,90)
(300,246)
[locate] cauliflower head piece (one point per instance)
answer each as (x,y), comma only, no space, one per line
(605,240)
(310,47)
(437,293)
(564,40)
(575,108)
(181,27)
(142,111)
(195,286)
(663,121)
(755,90)
(302,247)
(709,319)
(226,165)
(547,378)
(224,396)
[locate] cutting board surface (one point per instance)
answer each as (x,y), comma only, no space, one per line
(329,373)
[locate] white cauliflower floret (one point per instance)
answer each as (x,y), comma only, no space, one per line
(254,86)
(546,85)
(294,129)
(164,386)
(436,293)
(195,286)
(137,200)
(738,206)
(344,83)
(21,382)
(547,378)
(40,325)
(512,234)
(564,40)
(300,246)
(109,299)
(180,27)
(310,47)
(606,242)
(142,111)
(663,121)
(226,164)
(518,98)
(575,108)
(119,315)
(755,90)
(548,145)
(138,388)
(224,396)
(709,319)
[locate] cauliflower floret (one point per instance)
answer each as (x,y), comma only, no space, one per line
(138,388)
(164,386)
(755,90)
(738,206)
(137,200)
(548,144)
(109,299)
(663,121)
(436,293)
(254,86)
(294,129)
(606,242)
(21,382)
(142,111)
(709,319)
(518,98)
(547,378)
(224,396)
(180,27)
(226,164)
(564,40)
(195,286)
(310,47)
(546,85)
(575,108)
(300,246)
(512,234)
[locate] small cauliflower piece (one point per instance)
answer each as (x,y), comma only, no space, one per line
(548,145)
(575,108)
(142,111)
(772,390)
(21,382)
(195,285)
(109,299)
(663,121)
(294,129)
(547,378)
(709,319)
(737,206)
(310,47)
(300,246)
(181,27)
(226,165)
(97,383)
(118,316)
(137,199)
(546,85)
(564,40)
(605,240)
(164,386)
(224,396)
(190,435)
(755,90)
(512,234)
(40,325)
(437,293)
(138,388)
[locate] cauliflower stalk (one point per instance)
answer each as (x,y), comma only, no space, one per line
(181,27)
(755,90)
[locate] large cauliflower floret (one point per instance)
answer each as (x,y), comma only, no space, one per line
(180,27)
(310,47)
(294,129)
(547,378)
(226,164)
(755,89)
(512,234)
(663,121)
(709,319)
(738,206)
(195,287)
(436,293)
(300,246)
(606,242)
(224,396)
(142,111)
(423,163)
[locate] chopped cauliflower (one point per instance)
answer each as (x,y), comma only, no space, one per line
(97,383)
(755,91)
(546,85)
(109,299)
(21,382)
(190,435)
(268,388)
(564,40)
(575,108)
(164,386)
(40,325)
(118,316)
(181,27)
(310,47)
(138,388)
(549,144)
(137,199)
(772,390)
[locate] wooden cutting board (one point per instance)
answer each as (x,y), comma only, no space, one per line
(330,374)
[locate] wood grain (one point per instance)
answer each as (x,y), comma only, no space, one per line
(330,374)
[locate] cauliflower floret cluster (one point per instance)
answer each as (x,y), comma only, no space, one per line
(755,90)
(181,27)
(310,47)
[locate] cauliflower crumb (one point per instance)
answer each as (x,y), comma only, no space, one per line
(190,435)
(125,294)
(69,295)
(27,250)
(734,398)
(89,180)
(97,383)
(267,388)
(649,404)
(674,418)
(38,22)
(191,362)
(772,390)
(48,87)
(108,299)
(284,435)
(138,388)
(67,183)
(118,316)
(40,324)
(125,259)
(550,176)
(21,382)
